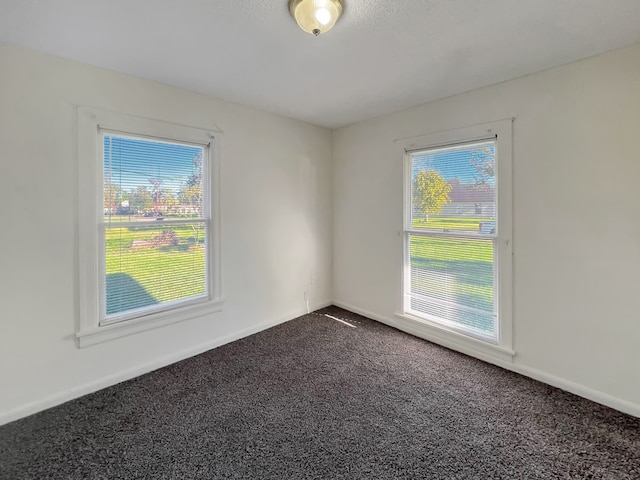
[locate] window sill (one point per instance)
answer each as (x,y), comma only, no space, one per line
(99,334)
(454,340)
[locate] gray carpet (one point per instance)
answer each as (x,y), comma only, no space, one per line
(315,399)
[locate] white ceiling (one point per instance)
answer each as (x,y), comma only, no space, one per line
(382,55)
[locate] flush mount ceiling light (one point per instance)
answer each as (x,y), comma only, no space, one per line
(315,16)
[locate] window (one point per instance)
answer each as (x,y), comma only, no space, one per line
(457,234)
(148,224)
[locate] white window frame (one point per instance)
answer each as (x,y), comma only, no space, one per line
(487,348)
(92,123)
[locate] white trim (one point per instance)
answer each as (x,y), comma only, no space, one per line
(105,332)
(416,329)
(453,234)
(151,223)
(504,241)
(76,392)
(127,374)
(450,337)
(597,396)
(501,132)
(214,195)
(439,334)
(91,122)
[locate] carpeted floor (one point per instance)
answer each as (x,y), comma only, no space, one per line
(316,399)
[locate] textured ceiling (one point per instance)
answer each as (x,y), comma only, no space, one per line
(382,55)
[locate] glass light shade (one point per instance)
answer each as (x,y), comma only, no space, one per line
(315,16)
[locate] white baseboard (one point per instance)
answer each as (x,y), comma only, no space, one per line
(319,305)
(544,377)
(76,392)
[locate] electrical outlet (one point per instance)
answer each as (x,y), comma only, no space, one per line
(306,295)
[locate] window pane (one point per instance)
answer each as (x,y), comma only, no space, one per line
(150,178)
(151,261)
(456,270)
(453,201)
(151,265)
(475,322)
(453,189)
(453,279)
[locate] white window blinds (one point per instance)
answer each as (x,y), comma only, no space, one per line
(451,237)
(155,225)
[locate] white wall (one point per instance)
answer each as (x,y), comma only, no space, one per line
(576,228)
(276,226)
(576,164)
